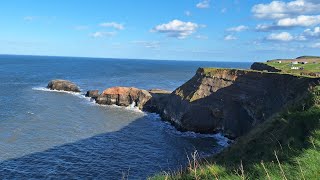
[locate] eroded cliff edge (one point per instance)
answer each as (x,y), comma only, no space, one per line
(229,100)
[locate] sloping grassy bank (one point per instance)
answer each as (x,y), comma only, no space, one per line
(287,146)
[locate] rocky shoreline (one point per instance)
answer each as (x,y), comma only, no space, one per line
(229,101)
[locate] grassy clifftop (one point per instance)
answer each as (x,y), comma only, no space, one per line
(308,68)
(287,146)
(303,65)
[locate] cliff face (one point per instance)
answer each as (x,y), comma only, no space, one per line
(232,101)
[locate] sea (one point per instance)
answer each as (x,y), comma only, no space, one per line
(47,134)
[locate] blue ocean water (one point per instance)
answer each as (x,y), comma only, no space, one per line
(55,135)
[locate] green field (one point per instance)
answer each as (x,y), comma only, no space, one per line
(308,69)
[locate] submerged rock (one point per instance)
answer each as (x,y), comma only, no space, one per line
(63,85)
(93,94)
(124,96)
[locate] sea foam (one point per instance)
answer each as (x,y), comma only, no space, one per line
(221,140)
(81,95)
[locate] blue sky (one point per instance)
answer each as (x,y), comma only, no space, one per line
(226,30)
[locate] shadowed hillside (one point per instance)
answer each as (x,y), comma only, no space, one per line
(286,146)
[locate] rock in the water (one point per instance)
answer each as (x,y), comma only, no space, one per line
(93,94)
(63,85)
(124,96)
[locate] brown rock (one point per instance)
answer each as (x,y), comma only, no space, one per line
(124,96)
(93,94)
(63,85)
(159,91)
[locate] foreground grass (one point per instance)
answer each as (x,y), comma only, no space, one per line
(285,147)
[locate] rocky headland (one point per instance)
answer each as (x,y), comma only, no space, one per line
(230,101)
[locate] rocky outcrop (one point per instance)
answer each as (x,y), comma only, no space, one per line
(124,96)
(214,100)
(93,94)
(158,101)
(159,91)
(258,66)
(63,85)
(228,100)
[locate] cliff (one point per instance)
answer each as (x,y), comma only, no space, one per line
(258,66)
(229,100)
(286,146)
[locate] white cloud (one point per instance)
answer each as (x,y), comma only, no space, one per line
(29,18)
(269,27)
(299,21)
(224,10)
(300,38)
(286,23)
(283,36)
(230,37)
(115,25)
(203,4)
(315,45)
(263,27)
(177,28)
(238,28)
(79,28)
(187,13)
(202,37)
(281,9)
(312,33)
(100,34)
(148,44)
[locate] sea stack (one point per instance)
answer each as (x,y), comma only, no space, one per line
(63,85)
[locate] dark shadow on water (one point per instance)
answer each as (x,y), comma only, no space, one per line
(128,151)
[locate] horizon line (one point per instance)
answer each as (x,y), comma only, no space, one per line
(58,56)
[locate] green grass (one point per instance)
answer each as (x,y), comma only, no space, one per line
(286,67)
(286,146)
(213,71)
